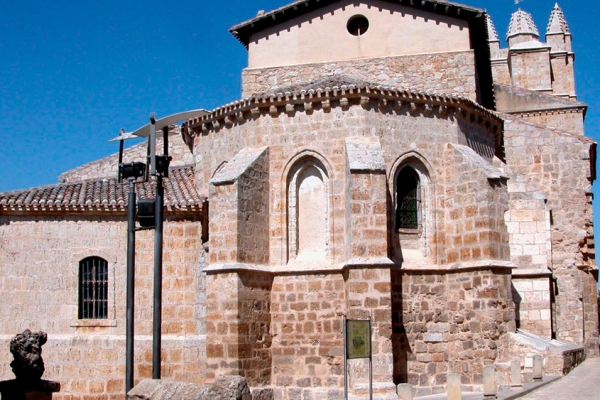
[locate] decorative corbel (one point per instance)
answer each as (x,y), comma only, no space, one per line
(273,111)
(364,101)
(290,109)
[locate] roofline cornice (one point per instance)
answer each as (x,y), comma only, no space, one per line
(16,208)
(377,98)
(49,210)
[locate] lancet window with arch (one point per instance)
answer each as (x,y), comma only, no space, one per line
(413,217)
(308,211)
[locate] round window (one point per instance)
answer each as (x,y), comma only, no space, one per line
(357,25)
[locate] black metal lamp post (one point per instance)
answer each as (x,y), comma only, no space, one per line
(130,172)
(159,167)
(150,215)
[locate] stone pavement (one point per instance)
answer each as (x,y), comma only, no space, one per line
(583,383)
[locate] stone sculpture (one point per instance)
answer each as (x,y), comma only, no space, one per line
(28,367)
(26,349)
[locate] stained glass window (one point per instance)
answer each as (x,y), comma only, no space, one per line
(407,200)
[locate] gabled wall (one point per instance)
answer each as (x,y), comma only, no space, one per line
(321,36)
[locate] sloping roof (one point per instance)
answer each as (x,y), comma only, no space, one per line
(339,92)
(104,195)
(524,101)
(262,21)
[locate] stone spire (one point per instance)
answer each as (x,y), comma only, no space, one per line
(557,23)
(521,23)
(559,39)
(492,34)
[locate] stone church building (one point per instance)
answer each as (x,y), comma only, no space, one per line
(388,160)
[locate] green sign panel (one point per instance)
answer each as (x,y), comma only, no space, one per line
(358,339)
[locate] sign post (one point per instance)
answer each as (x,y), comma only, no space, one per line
(357,344)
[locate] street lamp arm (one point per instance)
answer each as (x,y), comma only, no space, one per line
(144,131)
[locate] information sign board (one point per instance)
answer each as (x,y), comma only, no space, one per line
(358,339)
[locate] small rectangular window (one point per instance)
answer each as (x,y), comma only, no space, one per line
(93,288)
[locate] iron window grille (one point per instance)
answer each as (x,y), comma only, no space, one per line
(407,201)
(93,288)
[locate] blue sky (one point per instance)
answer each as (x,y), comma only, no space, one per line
(75,72)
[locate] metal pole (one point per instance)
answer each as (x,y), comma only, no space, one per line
(370,362)
(345,358)
(158,244)
(130,287)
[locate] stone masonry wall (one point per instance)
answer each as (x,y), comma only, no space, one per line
(558,165)
(39,281)
(369,296)
(253,213)
(321,133)
(531,295)
(450,321)
(436,73)
(369,219)
(108,166)
(223,223)
(531,69)
(528,226)
(563,82)
(307,313)
(238,326)
(474,205)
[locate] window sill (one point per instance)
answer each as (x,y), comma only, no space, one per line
(408,231)
(81,323)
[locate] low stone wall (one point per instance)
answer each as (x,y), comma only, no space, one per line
(559,357)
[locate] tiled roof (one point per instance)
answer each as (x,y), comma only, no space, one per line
(104,195)
(521,22)
(342,93)
(557,23)
(265,20)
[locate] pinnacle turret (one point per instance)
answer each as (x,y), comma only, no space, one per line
(557,23)
(492,34)
(521,23)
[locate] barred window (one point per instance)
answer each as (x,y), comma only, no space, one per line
(407,200)
(93,288)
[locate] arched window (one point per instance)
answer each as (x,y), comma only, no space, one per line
(308,213)
(407,199)
(93,288)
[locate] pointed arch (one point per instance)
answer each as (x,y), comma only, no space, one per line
(413,206)
(308,211)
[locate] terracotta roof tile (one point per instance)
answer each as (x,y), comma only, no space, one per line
(338,89)
(104,195)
